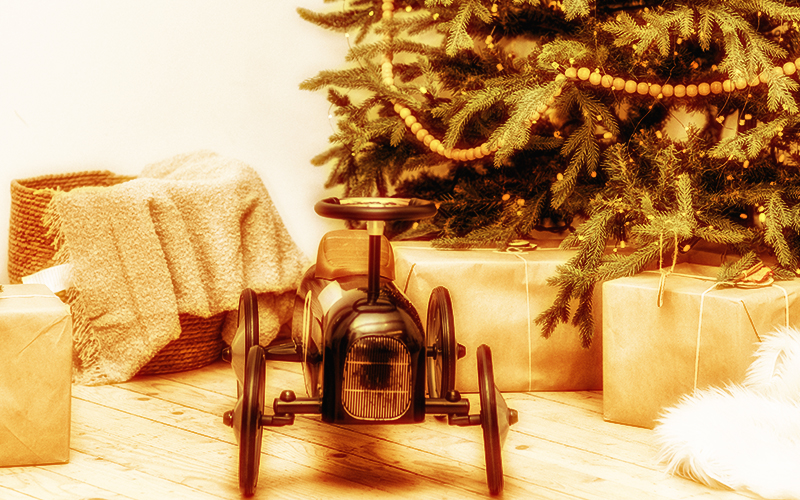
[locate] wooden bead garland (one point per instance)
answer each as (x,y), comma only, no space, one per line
(655,90)
(416,128)
(435,144)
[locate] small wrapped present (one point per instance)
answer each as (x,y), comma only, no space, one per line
(496,298)
(35,376)
(702,334)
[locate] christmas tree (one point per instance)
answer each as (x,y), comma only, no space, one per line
(657,124)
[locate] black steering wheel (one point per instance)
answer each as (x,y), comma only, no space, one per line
(375,209)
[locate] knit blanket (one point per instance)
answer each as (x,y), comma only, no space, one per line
(186,236)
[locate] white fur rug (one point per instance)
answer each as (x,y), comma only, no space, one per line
(744,437)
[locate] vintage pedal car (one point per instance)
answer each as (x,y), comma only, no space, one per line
(365,355)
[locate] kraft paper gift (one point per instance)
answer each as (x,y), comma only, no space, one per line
(702,335)
(496,298)
(35,376)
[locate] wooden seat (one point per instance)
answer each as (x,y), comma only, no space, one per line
(345,253)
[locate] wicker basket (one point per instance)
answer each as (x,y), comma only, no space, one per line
(31,249)
(200,344)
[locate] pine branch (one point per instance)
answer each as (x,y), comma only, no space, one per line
(745,64)
(496,234)
(667,161)
(730,271)
(345,21)
(575,8)
(769,8)
(582,144)
(515,133)
(592,237)
(464,109)
(398,133)
(635,262)
(628,32)
(778,218)
(584,150)
(516,220)
(350,78)
(438,3)
(794,218)
(655,238)
(722,230)
(424,229)
(559,52)
(617,166)
(567,278)
(528,217)
(341,21)
(458,38)
(367,51)
(576,278)
(779,94)
(747,53)
(584,317)
(748,145)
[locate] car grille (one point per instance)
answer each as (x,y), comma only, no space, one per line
(377,379)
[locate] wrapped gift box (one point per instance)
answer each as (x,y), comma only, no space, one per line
(35,376)
(701,336)
(496,298)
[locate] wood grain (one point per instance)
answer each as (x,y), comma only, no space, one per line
(163,437)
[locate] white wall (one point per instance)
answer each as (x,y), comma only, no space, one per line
(117,84)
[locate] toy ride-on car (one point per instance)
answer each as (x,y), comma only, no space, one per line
(366,358)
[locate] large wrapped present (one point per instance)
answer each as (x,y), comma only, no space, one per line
(496,298)
(701,335)
(35,376)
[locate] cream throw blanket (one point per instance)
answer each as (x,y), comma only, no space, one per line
(187,236)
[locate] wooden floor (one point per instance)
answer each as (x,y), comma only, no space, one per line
(162,437)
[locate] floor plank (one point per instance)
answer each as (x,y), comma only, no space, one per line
(107,474)
(163,437)
(43,484)
(344,458)
(9,494)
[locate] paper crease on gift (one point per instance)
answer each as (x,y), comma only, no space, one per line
(10,432)
(46,329)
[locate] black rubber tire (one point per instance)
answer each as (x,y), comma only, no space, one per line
(247,326)
(251,429)
(307,329)
(490,422)
(248,313)
(440,335)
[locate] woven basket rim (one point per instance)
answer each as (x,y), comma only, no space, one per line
(24,183)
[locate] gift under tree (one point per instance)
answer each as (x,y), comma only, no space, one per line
(660,123)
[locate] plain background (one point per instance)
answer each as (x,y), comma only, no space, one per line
(118,84)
